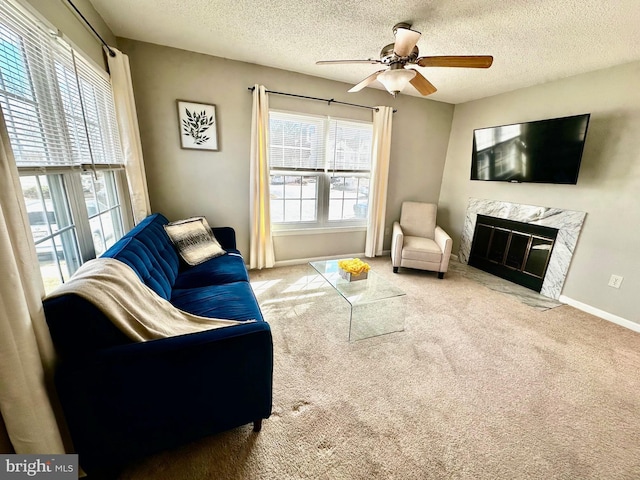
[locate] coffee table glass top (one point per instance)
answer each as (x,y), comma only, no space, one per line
(358,292)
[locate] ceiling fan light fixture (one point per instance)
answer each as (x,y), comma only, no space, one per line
(395,80)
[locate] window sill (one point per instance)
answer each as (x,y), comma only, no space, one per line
(317,231)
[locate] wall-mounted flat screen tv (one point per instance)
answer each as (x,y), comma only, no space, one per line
(544,151)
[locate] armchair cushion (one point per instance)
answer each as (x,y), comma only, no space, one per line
(421,249)
(418,219)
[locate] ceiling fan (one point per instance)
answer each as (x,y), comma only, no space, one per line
(399,55)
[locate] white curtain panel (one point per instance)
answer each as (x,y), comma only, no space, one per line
(261,251)
(127,119)
(26,351)
(382,121)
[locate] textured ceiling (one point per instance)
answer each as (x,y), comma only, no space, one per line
(532,41)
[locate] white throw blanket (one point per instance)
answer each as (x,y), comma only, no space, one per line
(134,308)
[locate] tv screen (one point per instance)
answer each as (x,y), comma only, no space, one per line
(544,151)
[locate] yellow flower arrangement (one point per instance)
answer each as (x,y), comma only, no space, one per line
(354,266)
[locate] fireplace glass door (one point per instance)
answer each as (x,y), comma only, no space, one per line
(516,251)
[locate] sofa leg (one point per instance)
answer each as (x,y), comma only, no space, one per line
(440,275)
(257,425)
(395,269)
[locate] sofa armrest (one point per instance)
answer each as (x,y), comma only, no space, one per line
(445,243)
(226,236)
(397,240)
(169,392)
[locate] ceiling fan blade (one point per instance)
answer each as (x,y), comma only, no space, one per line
(370,79)
(464,61)
(424,86)
(406,39)
(338,62)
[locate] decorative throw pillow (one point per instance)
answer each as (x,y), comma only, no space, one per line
(194,240)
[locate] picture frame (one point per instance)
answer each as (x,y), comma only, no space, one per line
(197,125)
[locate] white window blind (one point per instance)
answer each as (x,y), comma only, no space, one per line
(297,141)
(349,146)
(304,142)
(99,114)
(57,107)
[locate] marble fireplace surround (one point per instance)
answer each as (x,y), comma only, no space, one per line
(568,222)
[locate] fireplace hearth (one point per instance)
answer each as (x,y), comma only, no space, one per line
(516,251)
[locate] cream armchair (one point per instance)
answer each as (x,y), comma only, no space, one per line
(417,241)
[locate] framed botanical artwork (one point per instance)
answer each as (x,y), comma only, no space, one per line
(198,125)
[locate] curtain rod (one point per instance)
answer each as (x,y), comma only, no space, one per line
(328,100)
(111,52)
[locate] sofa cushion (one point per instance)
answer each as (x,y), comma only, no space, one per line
(422,249)
(227,268)
(233,301)
(194,240)
(150,268)
(149,252)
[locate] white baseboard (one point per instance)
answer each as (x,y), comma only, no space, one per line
(623,322)
(301,261)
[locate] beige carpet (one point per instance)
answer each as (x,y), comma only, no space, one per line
(479,385)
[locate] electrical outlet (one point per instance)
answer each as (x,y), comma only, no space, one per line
(615,281)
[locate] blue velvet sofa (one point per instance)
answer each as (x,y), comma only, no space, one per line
(124,400)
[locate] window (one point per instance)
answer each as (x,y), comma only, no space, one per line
(319,171)
(60,118)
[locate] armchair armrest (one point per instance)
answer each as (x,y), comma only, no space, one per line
(397,240)
(445,243)
(132,400)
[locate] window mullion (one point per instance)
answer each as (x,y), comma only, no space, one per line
(59,197)
(80,215)
(126,209)
(43,203)
(324,188)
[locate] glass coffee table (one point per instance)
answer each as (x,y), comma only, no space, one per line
(377,306)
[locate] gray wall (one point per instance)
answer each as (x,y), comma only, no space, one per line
(216,184)
(608,185)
